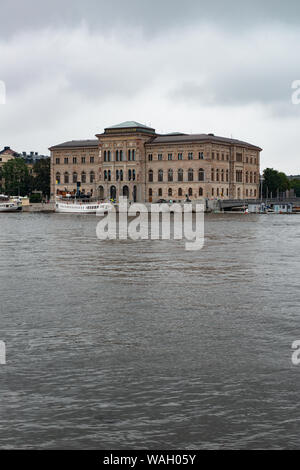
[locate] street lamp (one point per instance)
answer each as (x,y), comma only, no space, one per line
(261,180)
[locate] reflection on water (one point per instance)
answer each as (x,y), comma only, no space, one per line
(123,344)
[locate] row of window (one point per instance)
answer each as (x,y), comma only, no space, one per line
(74,176)
(218,192)
(172,192)
(119,175)
(75,160)
(222,175)
(216,175)
(200,156)
(180,174)
(179,156)
(119,155)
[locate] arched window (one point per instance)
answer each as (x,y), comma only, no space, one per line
(129,175)
(212,174)
(247,177)
(83,177)
(190,174)
(190,192)
(180,192)
(180,174)
(57,177)
(160,175)
(254,178)
(92,176)
(160,192)
(200,191)
(222,175)
(227,176)
(74,177)
(121,175)
(105,174)
(201,174)
(150,176)
(170,192)
(251,177)
(133,175)
(170,174)
(117,175)
(66,178)
(109,175)
(217,174)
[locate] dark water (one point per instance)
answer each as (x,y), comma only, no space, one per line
(128,345)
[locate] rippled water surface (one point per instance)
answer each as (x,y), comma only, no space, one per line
(129,345)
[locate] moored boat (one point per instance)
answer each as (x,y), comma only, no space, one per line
(82,207)
(10,206)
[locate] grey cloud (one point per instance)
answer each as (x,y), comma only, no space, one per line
(149,16)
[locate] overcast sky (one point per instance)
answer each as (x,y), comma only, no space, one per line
(72,68)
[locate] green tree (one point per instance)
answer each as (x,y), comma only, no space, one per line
(15,178)
(295,184)
(41,171)
(274,182)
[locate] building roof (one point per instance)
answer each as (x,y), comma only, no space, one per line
(189,138)
(9,151)
(77,143)
(128,124)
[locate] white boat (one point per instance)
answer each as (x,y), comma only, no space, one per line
(76,207)
(10,206)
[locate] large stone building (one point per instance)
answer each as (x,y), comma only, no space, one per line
(132,159)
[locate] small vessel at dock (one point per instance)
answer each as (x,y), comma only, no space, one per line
(76,207)
(6,205)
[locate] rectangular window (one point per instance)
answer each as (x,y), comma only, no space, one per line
(190,156)
(239,157)
(121,155)
(180,157)
(170,156)
(57,161)
(159,156)
(92,159)
(213,156)
(82,159)
(74,160)
(150,157)
(66,160)
(201,156)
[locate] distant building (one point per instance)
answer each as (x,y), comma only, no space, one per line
(7,154)
(131,159)
(294,177)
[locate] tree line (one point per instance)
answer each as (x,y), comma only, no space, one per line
(276,182)
(17,180)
